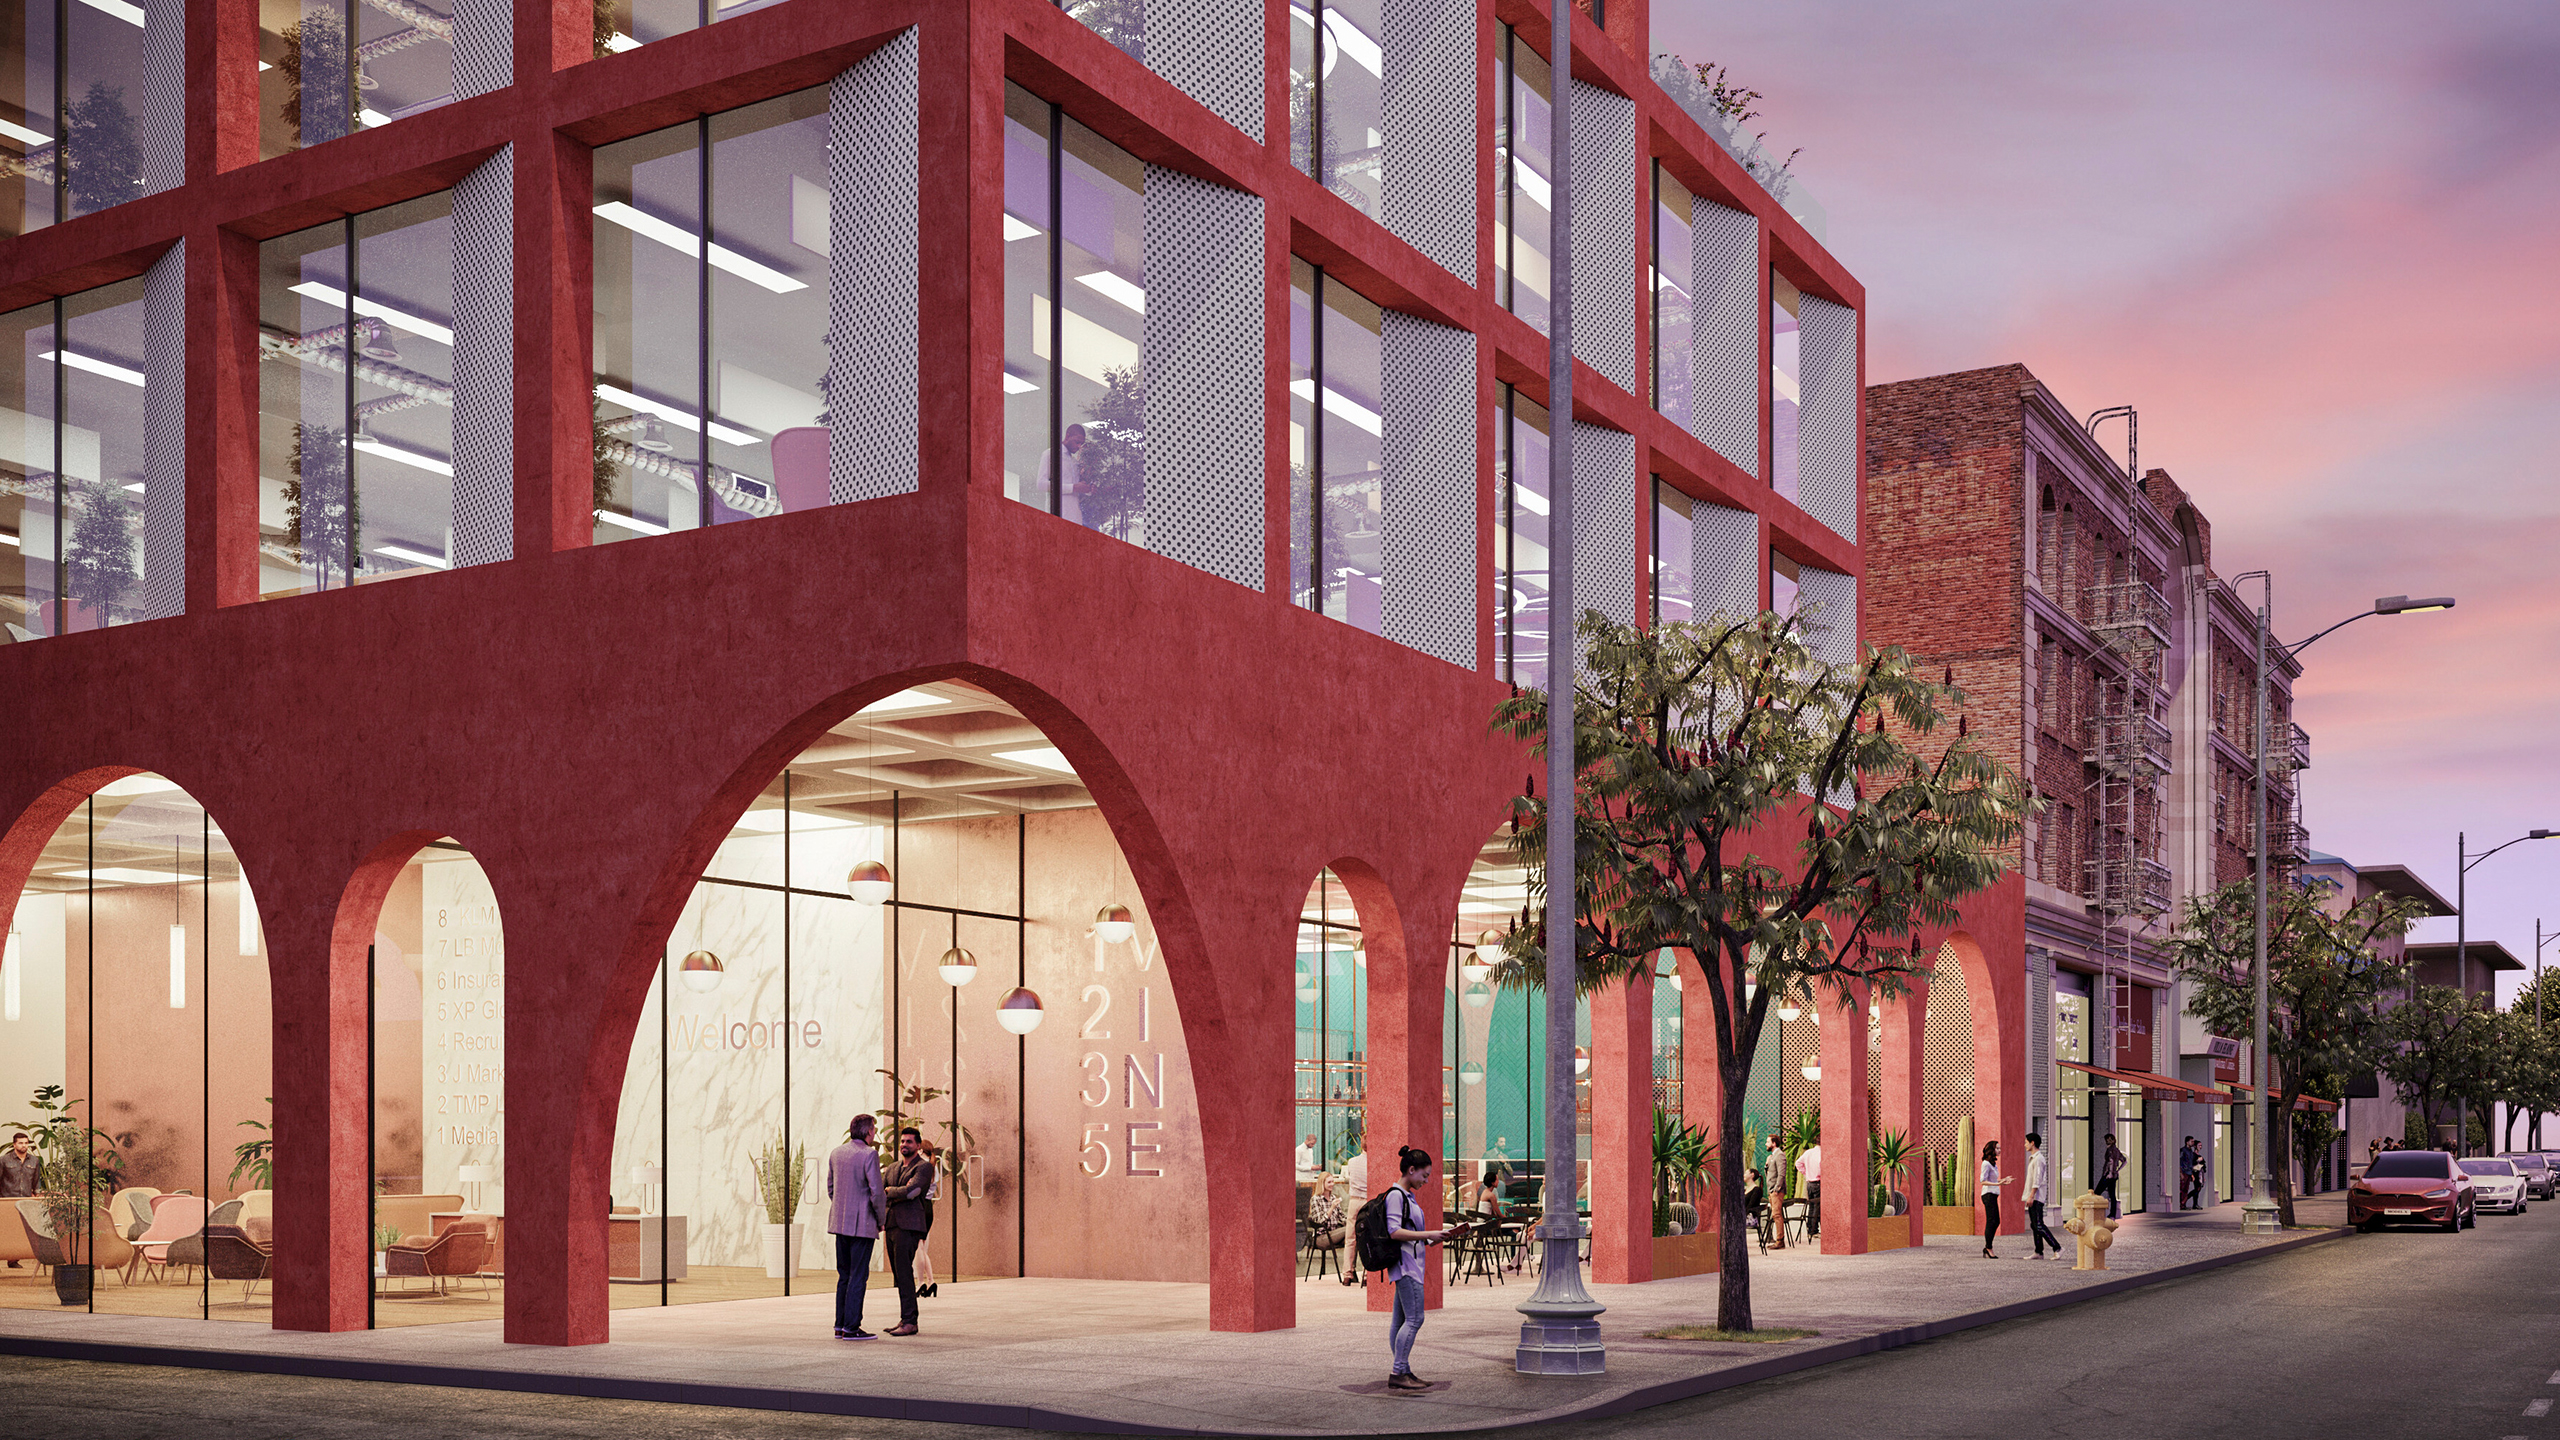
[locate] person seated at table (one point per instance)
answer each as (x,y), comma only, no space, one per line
(1487,1192)
(1326,1222)
(1755,1199)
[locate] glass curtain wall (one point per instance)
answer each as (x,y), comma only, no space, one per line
(2071,1155)
(1674,593)
(1332,1076)
(355,399)
(439,1094)
(1523,164)
(1520,538)
(1786,370)
(71,466)
(75,85)
(1336,71)
(134,1000)
(328,68)
(711,253)
(1075,305)
(1672,352)
(1336,456)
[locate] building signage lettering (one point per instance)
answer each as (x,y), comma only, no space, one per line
(1130,1144)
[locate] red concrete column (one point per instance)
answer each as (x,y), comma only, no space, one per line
(1844,1119)
(1241,1054)
(554,340)
(222,399)
(1622,1131)
(1407,980)
(1899,1101)
(1701,1087)
(558,1153)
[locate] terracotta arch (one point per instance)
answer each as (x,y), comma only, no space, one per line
(1997,996)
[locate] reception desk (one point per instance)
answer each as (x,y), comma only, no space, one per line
(635,1245)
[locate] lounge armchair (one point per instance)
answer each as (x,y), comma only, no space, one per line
(461,1250)
(189,1249)
(229,1254)
(15,1242)
(179,1217)
(132,1209)
(40,1239)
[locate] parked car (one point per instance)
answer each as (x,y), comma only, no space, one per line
(2499,1184)
(2403,1187)
(2540,1180)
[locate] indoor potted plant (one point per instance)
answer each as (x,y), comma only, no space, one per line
(76,1176)
(780,1178)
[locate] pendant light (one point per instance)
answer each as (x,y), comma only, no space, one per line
(1666,966)
(1479,995)
(1787,1012)
(177,928)
(1113,924)
(1306,987)
(248,919)
(869,883)
(1019,1010)
(1813,1067)
(11,959)
(1471,1073)
(1480,961)
(959,967)
(701,972)
(1581,1059)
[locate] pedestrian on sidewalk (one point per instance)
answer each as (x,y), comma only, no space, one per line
(1809,1170)
(2191,1175)
(853,1216)
(926,1286)
(1405,1226)
(2110,1166)
(2039,1194)
(910,1217)
(1989,1184)
(1355,1193)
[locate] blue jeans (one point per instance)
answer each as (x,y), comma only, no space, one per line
(1406,1323)
(853,1275)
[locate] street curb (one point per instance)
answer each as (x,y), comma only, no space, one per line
(1033,1417)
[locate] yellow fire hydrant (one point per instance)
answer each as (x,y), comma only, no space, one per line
(2095,1231)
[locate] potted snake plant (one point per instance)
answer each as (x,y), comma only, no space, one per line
(781,1177)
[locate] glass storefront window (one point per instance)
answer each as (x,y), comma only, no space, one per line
(328,68)
(1334,353)
(1672,354)
(356,399)
(1337,68)
(711,338)
(1527,126)
(79,85)
(1520,539)
(1674,596)
(2071,1173)
(1075,305)
(1786,371)
(132,947)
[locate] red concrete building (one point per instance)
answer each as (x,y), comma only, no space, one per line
(578,570)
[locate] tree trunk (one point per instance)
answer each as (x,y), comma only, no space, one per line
(2280,1157)
(1733,1228)
(2507,1133)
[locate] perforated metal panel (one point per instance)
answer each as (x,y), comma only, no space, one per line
(872,399)
(1727,376)
(1428,114)
(484,399)
(2039,1031)
(1202,341)
(1604,522)
(1427,499)
(164,96)
(1605,206)
(1827,453)
(164,435)
(1212,51)
(1834,631)
(1946,1055)
(1724,560)
(484,46)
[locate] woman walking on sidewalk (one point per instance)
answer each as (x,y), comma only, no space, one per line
(1990,1184)
(2110,1166)
(1405,1227)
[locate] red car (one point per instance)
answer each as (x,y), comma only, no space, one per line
(2411,1187)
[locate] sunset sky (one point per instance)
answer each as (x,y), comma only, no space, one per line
(2319,247)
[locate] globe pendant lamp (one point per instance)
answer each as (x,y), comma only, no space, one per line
(1667,966)
(1481,960)
(701,972)
(1471,1073)
(959,967)
(1479,995)
(1113,924)
(869,883)
(1788,1012)
(1019,1010)
(1581,1059)
(1813,1067)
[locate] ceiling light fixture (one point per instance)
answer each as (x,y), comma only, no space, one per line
(1019,1010)
(959,967)
(13,956)
(402,455)
(413,556)
(1105,282)
(1479,995)
(373,309)
(701,972)
(1813,1067)
(95,367)
(1113,924)
(633,523)
(685,242)
(682,419)
(869,882)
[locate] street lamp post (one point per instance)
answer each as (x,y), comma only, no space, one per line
(2533,1131)
(2463,865)
(2258,1214)
(1560,1323)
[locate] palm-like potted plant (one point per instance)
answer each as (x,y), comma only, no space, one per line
(76,1174)
(782,1175)
(1889,1160)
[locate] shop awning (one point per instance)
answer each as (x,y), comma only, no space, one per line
(2301,1102)
(2156,1087)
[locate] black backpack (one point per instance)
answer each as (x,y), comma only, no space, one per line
(1369,1235)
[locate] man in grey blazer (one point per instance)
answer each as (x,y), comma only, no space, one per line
(857,1201)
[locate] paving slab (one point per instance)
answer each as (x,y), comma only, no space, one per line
(1137,1357)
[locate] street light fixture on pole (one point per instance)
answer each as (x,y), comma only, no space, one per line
(2258,1215)
(2462,868)
(1560,1325)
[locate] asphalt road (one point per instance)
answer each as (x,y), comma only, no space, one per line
(2407,1333)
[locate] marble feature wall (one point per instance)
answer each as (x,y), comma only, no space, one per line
(462,1066)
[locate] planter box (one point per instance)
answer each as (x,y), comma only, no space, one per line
(1889,1232)
(1678,1255)
(1951,1219)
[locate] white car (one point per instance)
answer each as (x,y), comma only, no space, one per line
(2499,1183)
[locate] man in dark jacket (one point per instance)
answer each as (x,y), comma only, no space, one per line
(910,1217)
(21,1173)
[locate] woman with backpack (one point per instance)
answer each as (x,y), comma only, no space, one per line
(1392,1239)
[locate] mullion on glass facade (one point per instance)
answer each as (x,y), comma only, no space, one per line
(1337,414)
(100,99)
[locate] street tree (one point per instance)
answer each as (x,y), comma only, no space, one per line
(2327,986)
(2538,1016)
(1698,744)
(2443,1044)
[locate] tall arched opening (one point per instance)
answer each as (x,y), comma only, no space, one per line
(871,936)
(134,1001)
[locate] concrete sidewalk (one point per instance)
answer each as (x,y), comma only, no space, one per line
(1132,1357)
